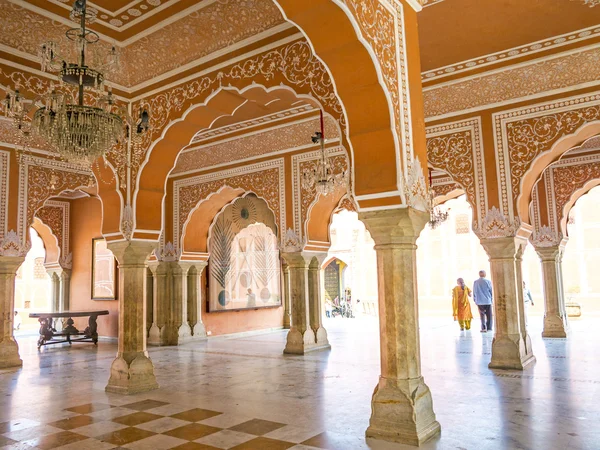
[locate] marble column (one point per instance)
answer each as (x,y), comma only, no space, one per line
(555,319)
(179,300)
(160,330)
(9,349)
(195,300)
(132,371)
(511,347)
(402,406)
(65,290)
(54,289)
(301,337)
(315,305)
(287,311)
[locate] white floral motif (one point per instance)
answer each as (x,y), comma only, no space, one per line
(292,242)
(127,222)
(546,237)
(11,245)
(415,187)
(495,225)
(168,253)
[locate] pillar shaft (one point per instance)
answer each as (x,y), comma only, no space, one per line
(301,337)
(9,349)
(315,289)
(195,300)
(555,319)
(159,330)
(179,301)
(511,347)
(287,311)
(402,406)
(132,371)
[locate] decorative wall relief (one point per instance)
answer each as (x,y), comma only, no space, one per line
(56,215)
(496,225)
(244,264)
(545,237)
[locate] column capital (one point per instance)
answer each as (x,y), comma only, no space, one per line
(10,264)
(509,247)
(296,260)
(132,253)
(549,254)
(199,265)
(394,226)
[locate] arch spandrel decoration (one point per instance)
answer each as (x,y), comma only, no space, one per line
(456,149)
(527,135)
(41,179)
(265,179)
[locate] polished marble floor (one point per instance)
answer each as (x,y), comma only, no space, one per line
(242,393)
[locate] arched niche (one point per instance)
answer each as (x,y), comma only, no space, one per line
(51,244)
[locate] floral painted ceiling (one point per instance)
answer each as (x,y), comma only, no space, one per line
(179,38)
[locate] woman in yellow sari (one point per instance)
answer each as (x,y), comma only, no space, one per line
(461,308)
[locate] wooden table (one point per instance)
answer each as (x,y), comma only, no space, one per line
(49,334)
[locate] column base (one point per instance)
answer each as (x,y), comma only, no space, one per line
(184,334)
(154,335)
(511,352)
(199,333)
(299,343)
(131,378)
(9,354)
(402,411)
(321,337)
(554,327)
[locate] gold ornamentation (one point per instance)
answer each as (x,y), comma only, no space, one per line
(294,63)
(512,83)
(496,225)
(252,146)
(266,180)
(12,245)
(521,141)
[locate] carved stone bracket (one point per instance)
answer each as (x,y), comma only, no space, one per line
(12,245)
(495,225)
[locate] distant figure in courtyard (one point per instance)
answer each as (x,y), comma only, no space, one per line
(336,301)
(482,294)
(17,322)
(527,299)
(461,309)
(250,299)
(328,308)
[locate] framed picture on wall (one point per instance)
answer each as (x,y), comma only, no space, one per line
(104,271)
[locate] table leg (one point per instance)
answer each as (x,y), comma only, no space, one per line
(92,329)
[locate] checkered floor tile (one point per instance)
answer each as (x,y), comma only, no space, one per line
(156,425)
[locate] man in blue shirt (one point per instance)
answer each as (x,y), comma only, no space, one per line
(482,294)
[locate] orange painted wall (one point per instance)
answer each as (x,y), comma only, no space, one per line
(86,224)
(218,323)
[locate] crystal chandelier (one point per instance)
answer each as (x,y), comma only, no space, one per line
(322,176)
(80,133)
(437,215)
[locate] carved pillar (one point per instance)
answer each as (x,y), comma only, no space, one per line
(300,338)
(160,330)
(179,301)
(149,300)
(402,406)
(287,311)
(9,349)
(315,289)
(132,371)
(54,289)
(555,319)
(511,347)
(65,290)
(195,300)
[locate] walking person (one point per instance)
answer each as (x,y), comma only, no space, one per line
(482,294)
(461,309)
(527,299)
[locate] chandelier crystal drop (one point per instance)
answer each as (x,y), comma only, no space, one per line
(322,176)
(79,132)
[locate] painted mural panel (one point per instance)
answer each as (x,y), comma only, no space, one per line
(244,264)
